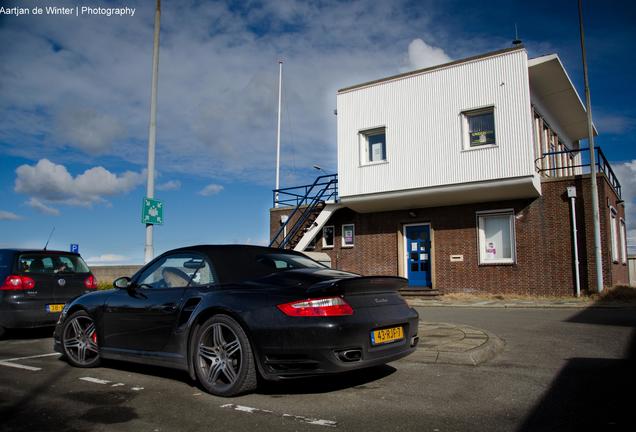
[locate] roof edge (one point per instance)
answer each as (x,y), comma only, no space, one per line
(432,68)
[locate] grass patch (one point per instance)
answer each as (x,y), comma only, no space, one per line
(619,293)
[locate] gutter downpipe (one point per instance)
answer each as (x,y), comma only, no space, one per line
(572,196)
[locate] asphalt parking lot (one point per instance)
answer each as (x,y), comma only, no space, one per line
(561,369)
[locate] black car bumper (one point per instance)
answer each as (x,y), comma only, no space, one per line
(298,347)
(26,315)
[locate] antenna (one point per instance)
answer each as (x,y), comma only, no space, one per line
(49,239)
(517,41)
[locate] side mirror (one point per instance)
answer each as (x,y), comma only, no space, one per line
(122,283)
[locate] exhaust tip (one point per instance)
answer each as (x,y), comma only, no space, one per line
(350,355)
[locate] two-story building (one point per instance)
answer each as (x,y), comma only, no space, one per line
(456,177)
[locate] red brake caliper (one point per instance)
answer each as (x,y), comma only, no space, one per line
(94,337)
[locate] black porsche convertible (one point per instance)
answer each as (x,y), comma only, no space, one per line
(229,313)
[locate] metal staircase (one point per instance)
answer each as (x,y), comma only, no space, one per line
(308,202)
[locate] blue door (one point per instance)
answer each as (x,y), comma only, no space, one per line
(418,255)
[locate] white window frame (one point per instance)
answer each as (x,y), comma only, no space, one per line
(353,228)
(324,243)
(614,234)
(363,136)
(464,115)
(623,235)
(481,236)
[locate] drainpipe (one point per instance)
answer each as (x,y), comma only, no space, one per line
(572,196)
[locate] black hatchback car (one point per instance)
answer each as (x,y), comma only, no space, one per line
(37,283)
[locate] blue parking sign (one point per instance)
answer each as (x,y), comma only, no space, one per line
(74,248)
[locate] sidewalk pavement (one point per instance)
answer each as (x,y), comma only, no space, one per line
(455,344)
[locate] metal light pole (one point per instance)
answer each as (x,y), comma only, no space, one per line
(590,133)
(280,92)
(152,132)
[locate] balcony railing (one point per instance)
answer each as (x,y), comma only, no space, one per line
(567,163)
(326,186)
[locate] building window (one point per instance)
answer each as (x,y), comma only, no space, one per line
(496,237)
(328,233)
(623,242)
(348,235)
(373,143)
(479,127)
(614,234)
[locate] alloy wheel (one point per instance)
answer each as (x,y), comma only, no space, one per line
(80,340)
(220,355)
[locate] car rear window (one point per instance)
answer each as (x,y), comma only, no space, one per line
(44,263)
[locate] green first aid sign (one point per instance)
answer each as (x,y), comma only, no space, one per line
(152,212)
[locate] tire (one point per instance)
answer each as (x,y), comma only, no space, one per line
(2,331)
(223,358)
(79,341)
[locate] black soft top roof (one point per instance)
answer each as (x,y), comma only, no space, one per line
(237,263)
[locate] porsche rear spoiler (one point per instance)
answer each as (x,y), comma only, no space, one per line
(358,285)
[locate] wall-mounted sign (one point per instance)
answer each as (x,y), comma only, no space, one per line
(457,258)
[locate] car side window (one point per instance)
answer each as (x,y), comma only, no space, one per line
(178,271)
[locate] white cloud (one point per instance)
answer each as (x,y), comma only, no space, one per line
(169,185)
(423,55)
(217,81)
(107,258)
(614,124)
(42,208)
(88,130)
(7,215)
(48,182)
(211,189)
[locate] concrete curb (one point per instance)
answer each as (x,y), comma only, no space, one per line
(457,344)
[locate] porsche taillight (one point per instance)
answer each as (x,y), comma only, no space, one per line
(17,283)
(320,307)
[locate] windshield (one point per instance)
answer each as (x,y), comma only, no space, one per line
(282,261)
(44,263)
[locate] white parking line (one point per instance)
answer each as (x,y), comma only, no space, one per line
(19,366)
(10,362)
(95,380)
(308,420)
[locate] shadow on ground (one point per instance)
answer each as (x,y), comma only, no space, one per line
(358,379)
(361,379)
(591,393)
(29,333)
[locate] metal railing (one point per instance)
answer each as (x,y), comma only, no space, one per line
(567,163)
(305,199)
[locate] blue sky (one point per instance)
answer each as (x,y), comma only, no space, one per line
(75,92)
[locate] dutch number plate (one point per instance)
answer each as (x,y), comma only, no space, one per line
(383,336)
(54,307)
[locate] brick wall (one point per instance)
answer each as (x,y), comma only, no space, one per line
(544,246)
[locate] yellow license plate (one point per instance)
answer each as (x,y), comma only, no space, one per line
(383,336)
(55,307)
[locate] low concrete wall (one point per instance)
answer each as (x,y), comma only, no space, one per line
(107,274)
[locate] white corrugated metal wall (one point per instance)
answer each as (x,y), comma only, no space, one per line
(422,116)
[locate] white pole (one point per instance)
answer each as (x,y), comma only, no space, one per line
(590,133)
(572,195)
(280,92)
(152,132)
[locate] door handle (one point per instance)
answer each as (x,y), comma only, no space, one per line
(169,307)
